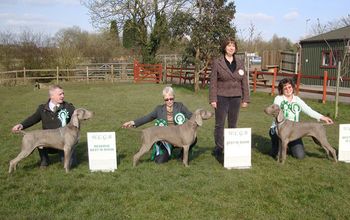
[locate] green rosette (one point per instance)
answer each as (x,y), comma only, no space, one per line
(179,118)
(161,122)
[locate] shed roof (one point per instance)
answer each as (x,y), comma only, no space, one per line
(338,34)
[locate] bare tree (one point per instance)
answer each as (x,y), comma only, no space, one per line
(250,41)
(320,28)
(147,17)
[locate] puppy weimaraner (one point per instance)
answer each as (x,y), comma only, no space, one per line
(288,131)
(64,138)
(179,135)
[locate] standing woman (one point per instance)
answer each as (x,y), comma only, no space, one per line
(227,92)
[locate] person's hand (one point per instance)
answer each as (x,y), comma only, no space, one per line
(128,124)
(244,104)
(327,120)
(17,128)
(213,104)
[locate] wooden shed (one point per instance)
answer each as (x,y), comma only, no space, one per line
(323,52)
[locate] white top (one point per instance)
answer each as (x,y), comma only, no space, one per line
(291,110)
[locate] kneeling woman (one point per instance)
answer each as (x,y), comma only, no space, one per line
(169,114)
(292,105)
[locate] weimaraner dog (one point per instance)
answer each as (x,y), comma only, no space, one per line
(179,135)
(288,131)
(64,138)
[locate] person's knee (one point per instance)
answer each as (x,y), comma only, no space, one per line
(298,151)
(162,158)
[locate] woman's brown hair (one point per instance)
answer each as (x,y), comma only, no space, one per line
(283,82)
(226,42)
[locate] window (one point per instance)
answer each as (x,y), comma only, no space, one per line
(330,59)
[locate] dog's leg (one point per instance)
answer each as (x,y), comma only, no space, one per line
(323,142)
(279,155)
(23,154)
(143,149)
(67,156)
(185,155)
(284,151)
(147,143)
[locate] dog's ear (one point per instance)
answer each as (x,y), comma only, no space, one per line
(75,120)
(280,115)
(198,119)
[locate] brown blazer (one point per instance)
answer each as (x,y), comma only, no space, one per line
(225,83)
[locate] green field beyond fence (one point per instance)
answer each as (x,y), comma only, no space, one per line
(313,188)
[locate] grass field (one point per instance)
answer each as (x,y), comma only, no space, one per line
(313,188)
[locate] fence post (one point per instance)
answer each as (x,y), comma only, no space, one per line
(123,74)
(57,71)
(171,74)
(181,76)
(137,68)
(298,83)
(254,79)
(160,77)
(112,71)
(87,74)
(24,75)
(274,81)
(325,79)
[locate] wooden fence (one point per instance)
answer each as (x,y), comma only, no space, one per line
(135,72)
(147,72)
(114,72)
(258,77)
(183,75)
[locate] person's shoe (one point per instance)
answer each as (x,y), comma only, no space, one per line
(273,154)
(73,160)
(44,158)
(217,153)
(44,163)
(181,154)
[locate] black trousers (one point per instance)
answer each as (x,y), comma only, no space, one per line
(225,107)
(295,148)
(44,155)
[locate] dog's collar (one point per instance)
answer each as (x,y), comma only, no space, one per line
(193,123)
(280,122)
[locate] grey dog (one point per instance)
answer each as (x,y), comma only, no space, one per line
(179,135)
(288,131)
(64,138)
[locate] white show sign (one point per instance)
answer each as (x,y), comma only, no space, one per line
(344,143)
(102,151)
(237,148)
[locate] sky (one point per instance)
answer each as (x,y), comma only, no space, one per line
(292,19)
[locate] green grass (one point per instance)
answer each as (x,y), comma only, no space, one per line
(313,188)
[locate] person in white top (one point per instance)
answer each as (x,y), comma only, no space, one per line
(292,105)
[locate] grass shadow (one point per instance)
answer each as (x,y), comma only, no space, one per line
(261,143)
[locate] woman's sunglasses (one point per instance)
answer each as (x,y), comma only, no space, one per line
(169,99)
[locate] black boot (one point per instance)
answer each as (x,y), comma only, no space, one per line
(218,154)
(73,160)
(44,158)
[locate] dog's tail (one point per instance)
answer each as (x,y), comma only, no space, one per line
(327,124)
(20,132)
